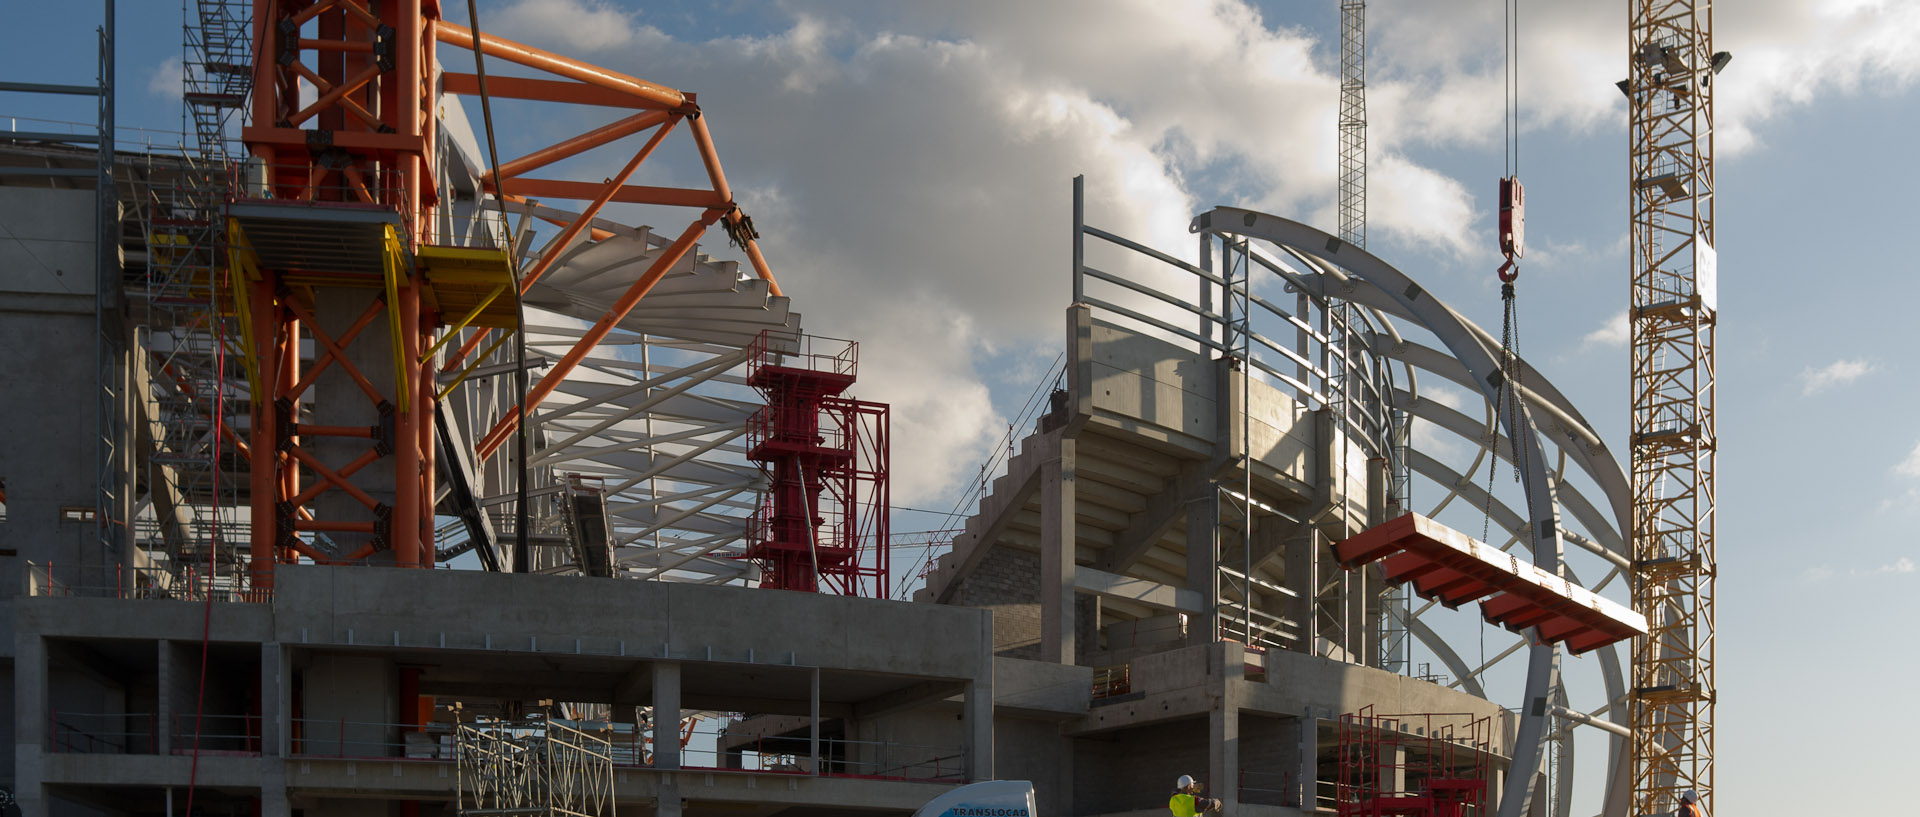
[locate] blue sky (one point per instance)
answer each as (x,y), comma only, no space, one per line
(909,164)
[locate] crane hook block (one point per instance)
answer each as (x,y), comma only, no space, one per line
(1513,217)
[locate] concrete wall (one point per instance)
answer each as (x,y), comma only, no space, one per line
(1134,769)
(47,330)
(1150,387)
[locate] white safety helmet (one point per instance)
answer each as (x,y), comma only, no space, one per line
(1689,796)
(1184,781)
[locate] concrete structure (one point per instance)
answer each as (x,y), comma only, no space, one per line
(303,707)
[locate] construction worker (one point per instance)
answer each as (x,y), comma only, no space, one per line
(1689,805)
(1186,800)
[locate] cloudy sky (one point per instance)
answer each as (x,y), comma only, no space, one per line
(909,165)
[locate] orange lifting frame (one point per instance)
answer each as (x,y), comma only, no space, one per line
(1453,568)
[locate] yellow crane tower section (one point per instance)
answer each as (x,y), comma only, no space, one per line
(1674,310)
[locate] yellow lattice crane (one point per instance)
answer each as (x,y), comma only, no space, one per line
(1675,307)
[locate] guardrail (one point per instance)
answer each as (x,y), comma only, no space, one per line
(839,757)
(186,583)
(110,733)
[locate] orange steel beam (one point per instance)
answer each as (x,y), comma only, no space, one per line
(612,187)
(678,250)
(658,96)
(711,158)
(365,459)
(627,194)
(335,94)
(359,141)
(466,348)
(334,527)
(264,459)
(327,475)
(322,86)
(543,90)
(403,536)
(335,45)
(333,349)
(760,266)
(579,144)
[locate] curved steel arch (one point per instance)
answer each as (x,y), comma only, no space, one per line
(1469,349)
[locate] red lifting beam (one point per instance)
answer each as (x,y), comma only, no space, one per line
(1454,568)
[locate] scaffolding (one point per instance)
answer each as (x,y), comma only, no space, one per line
(823,521)
(184,355)
(1421,765)
(534,767)
(217,71)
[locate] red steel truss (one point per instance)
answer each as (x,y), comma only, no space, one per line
(822,524)
(1429,765)
(1454,568)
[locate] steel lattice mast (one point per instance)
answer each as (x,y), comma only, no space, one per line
(1674,310)
(1353,122)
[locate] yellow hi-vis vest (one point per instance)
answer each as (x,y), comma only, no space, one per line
(1182,805)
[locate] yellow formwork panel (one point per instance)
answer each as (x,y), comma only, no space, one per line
(468,281)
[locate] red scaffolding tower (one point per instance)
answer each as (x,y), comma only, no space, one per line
(1424,765)
(822,523)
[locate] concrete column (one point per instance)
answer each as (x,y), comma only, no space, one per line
(276,707)
(666,714)
(1302,559)
(1203,549)
(666,735)
(1309,760)
(1223,747)
(813,722)
(977,708)
(1057,537)
(273,796)
(276,702)
(163,709)
(30,733)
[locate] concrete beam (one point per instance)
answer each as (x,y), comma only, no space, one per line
(906,698)
(1164,508)
(1154,594)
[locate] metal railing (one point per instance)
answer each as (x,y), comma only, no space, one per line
(1268,788)
(1312,370)
(109,733)
(189,582)
(839,757)
(139,733)
(343,739)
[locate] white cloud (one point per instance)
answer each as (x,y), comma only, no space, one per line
(165,80)
(1900,565)
(575,25)
(1895,567)
(1910,467)
(1613,333)
(1837,373)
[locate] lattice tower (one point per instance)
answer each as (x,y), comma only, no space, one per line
(1673,315)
